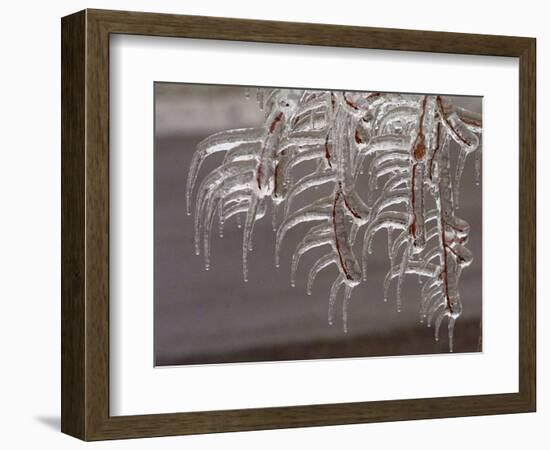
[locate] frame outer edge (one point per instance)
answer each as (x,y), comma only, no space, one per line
(73,226)
(85,226)
(528,224)
(96,239)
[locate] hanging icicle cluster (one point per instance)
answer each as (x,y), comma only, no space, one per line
(398,145)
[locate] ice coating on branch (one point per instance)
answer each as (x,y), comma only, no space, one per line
(305,183)
(320,210)
(219,142)
(396,147)
(321,263)
(317,237)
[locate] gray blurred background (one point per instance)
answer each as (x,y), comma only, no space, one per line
(204,317)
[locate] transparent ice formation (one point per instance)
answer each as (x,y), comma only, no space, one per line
(399,146)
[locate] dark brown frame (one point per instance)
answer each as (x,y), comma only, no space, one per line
(85,224)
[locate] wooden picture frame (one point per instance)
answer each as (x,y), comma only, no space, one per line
(85,224)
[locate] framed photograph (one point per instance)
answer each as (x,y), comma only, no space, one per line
(270,224)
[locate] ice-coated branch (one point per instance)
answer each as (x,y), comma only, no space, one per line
(383,157)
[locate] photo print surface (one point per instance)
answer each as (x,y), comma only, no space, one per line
(295,224)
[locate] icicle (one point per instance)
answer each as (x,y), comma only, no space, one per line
(221,218)
(397,196)
(325,261)
(332,298)
(387,282)
(353,231)
(373,181)
(436,301)
(231,176)
(275,207)
(388,199)
(316,211)
(307,182)
(220,227)
(318,236)
(391,220)
(345,305)
(450,329)
(402,239)
(478,166)
(206,238)
(247,233)
(462,154)
(438,325)
(219,142)
(370,190)
(402,271)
